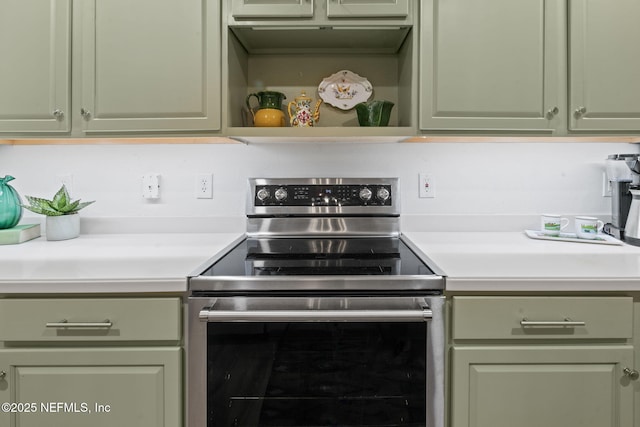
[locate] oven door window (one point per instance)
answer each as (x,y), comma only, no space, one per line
(316,374)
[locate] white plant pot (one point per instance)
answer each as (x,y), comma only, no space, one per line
(62,227)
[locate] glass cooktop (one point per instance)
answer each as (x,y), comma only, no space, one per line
(319,256)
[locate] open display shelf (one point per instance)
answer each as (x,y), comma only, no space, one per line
(270,59)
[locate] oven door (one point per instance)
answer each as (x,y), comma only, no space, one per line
(292,361)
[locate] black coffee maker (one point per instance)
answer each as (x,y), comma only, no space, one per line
(622,179)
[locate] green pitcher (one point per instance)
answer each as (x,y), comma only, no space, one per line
(10,207)
(269,113)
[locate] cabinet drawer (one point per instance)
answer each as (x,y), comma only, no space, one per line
(542,318)
(108,319)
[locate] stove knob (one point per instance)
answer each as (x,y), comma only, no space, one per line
(383,194)
(263,194)
(365,194)
(281,194)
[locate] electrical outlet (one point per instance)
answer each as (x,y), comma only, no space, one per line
(606,185)
(204,186)
(151,186)
(427,186)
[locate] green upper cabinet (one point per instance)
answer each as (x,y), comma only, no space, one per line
(604,65)
(492,65)
(319,10)
(367,8)
(35,48)
(241,9)
(117,66)
(148,65)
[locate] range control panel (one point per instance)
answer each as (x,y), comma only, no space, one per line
(323,195)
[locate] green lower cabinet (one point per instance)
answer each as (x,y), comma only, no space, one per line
(98,387)
(535,386)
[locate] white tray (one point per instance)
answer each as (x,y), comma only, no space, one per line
(601,239)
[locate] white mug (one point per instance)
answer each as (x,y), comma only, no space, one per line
(551,224)
(588,227)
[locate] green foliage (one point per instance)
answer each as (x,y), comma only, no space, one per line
(60,205)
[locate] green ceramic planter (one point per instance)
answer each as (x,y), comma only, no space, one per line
(374,113)
(10,208)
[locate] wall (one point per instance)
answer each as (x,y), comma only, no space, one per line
(500,186)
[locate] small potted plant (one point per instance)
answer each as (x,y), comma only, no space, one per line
(63,221)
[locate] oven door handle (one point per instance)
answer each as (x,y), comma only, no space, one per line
(414,314)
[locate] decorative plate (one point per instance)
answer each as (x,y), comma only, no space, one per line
(345,89)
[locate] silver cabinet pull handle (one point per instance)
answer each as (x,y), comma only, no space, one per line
(86,114)
(579,112)
(551,113)
(58,114)
(3,374)
(566,322)
(631,373)
(66,324)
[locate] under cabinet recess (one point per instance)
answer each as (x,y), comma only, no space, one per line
(273,51)
(391,73)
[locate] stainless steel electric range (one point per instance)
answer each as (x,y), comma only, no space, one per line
(323,314)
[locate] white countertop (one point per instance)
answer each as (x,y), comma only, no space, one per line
(511,261)
(147,263)
(97,263)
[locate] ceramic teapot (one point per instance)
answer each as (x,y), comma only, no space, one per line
(300,111)
(269,112)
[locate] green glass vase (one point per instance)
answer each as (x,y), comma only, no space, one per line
(10,208)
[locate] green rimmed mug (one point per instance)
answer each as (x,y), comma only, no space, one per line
(553,224)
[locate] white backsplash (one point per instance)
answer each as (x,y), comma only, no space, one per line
(495,186)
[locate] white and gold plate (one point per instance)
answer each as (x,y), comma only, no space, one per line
(345,89)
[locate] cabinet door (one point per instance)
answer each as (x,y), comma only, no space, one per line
(492,64)
(542,386)
(604,64)
(35,48)
(271,8)
(101,387)
(149,65)
(367,8)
